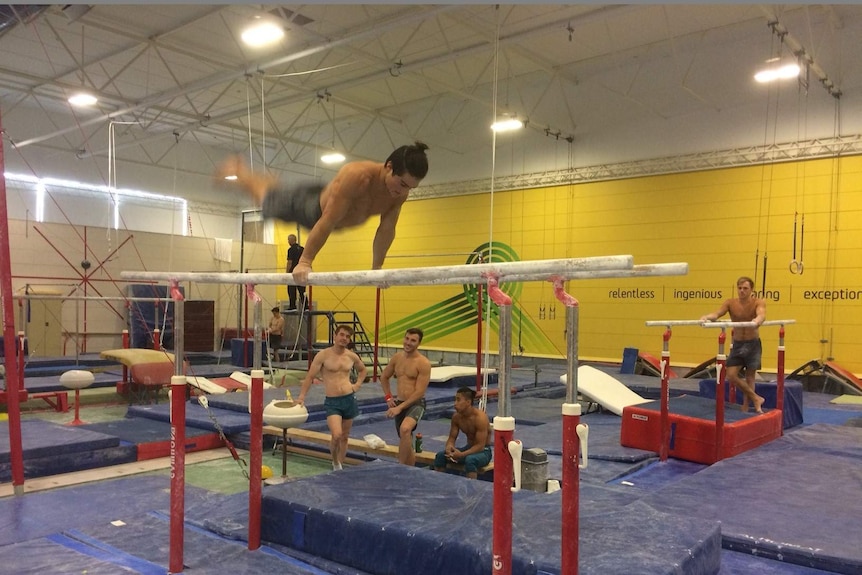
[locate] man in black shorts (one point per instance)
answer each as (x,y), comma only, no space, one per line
(412,371)
(358,191)
(746,350)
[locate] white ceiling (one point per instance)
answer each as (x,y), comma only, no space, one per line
(622,82)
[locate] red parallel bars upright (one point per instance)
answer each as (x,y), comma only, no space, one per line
(255,409)
(571,412)
(16,450)
(779,399)
(504,430)
(665,395)
(255,458)
(178,437)
(721,363)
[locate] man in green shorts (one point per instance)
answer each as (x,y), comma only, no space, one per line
(333,366)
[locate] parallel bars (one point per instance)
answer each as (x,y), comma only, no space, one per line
(556,271)
(721,358)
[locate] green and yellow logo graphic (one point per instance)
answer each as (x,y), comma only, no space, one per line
(461,311)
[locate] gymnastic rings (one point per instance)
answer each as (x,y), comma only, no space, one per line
(796,266)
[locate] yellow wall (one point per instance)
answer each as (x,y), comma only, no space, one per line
(723,223)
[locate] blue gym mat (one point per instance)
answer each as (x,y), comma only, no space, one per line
(39,384)
(384,527)
(51,448)
(143,540)
(40,514)
(52,555)
(795,498)
(139,430)
(196,416)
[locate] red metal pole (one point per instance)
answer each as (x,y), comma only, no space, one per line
(665,396)
(731,389)
(571,412)
(570,533)
(157,340)
(308,330)
(126,343)
(376,334)
(20,358)
(85,284)
(504,431)
(16,451)
(245,360)
(721,362)
(178,471)
(255,460)
(481,308)
(779,398)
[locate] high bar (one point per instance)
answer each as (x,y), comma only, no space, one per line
(536,270)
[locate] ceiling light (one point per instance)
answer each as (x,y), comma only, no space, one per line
(231,178)
(778,72)
(332,157)
(507,124)
(262,33)
(82,99)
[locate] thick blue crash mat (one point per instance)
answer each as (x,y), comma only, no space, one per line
(800,503)
(51,448)
(386,518)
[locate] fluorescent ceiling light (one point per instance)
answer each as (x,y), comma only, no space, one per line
(332,157)
(230,178)
(507,125)
(784,72)
(82,99)
(262,34)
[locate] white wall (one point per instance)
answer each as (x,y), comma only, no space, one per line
(50,255)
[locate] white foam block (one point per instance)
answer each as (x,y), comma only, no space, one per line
(241,377)
(205,385)
(605,389)
(447,372)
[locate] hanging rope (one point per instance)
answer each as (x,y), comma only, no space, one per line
(797,267)
(827,309)
(766,182)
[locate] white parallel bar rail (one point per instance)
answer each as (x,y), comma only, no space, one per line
(91,298)
(672,322)
(647,270)
(538,270)
(748,323)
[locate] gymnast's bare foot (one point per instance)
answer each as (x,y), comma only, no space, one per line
(234,168)
(758,404)
(744,404)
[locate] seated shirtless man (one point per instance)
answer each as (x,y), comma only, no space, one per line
(475,425)
(334,364)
